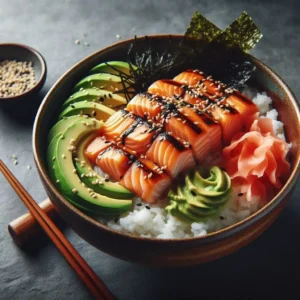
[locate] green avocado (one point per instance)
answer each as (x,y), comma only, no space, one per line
(51,169)
(62,125)
(91,109)
(66,177)
(108,82)
(93,180)
(96,95)
(200,198)
(113,67)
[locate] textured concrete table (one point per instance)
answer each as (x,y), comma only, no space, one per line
(268,268)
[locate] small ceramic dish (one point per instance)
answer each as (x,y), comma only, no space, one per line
(19,52)
(171,252)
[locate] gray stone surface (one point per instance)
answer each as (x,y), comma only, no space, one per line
(268,268)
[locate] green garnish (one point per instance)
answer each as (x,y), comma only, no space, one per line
(221,54)
(202,29)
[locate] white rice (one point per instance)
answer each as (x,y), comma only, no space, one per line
(148,220)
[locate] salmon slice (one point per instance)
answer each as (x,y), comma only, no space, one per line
(209,87)
(117,124)
(145,105)
(166,88)
(95,147)
(170,154)
(229,118)
(113,161)
(243,105)
(206,123)
(138,136)
(145,180)
(183,128)
(189,77)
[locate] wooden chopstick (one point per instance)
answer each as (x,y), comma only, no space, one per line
(96,287)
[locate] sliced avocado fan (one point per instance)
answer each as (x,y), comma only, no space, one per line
(62,125)
(108,82)
(96,95)
(91,109)
(113,67)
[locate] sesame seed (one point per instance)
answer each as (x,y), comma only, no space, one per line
(57,181)
(240,194)
(53,158)
(74,171)
(74,191)
(63,156)
(77,42)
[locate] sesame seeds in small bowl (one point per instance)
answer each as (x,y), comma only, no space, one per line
(22,72)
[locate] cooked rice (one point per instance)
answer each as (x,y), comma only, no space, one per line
(156,222)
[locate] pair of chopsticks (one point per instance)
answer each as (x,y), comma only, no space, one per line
(96,287)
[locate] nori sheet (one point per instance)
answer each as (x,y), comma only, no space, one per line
(222,54)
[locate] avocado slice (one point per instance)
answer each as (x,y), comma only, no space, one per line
(62,125)
(96,95)
(93,180)
(109,82)
(51,170)
(113,67)
(95,110)
(66,174)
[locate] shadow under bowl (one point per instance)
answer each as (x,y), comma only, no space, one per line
(23,53)
(167,252)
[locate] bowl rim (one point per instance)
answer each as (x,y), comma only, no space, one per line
(210,237)
(43,69)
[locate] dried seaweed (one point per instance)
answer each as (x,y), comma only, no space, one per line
(202,29)
(242,33)
(222,54)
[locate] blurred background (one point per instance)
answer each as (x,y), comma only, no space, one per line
(66,31)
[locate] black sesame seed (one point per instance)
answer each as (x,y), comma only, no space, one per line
(109,95)
(139,204)
(240,194)
(106,179)
(147,207)
(222,218)
(101,99)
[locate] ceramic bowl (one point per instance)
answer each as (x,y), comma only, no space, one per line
(171,252)
(19,52)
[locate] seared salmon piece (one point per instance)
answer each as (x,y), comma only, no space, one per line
(147,181)
(117,124)
(171,155)
(114,162)
(95,147)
